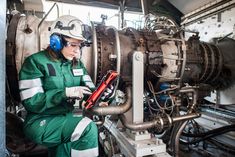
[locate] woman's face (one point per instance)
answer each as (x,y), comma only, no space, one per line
(72,49)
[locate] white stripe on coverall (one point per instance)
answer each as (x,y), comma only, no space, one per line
(81,126)
(24,84)
(28,93)
(93,152)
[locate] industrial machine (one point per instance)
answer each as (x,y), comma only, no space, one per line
(174,93)
(165,79)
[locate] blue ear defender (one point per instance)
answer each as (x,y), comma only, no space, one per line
(56,43)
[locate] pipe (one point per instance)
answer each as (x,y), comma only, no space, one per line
(189,116)
(95,53)
(159,122)
(145,8)
(191,90)
(113,109)
(40,23)
(2,78)
(177,137)
(140,126)
(191,109)
(122,10)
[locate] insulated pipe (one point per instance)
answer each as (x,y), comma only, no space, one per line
(159,122)
(113,109)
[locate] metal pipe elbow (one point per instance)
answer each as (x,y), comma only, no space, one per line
(137,127)
(113,109)
(159,123)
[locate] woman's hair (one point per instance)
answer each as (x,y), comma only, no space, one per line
(56,56)
(52,54)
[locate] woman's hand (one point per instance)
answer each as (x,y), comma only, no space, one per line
(77,92)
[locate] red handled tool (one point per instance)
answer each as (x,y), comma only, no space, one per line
(107,80)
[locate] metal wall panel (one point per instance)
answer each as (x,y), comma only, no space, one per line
(186,6)
(217,26)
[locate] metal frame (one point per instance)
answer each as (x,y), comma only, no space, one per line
(152,147)
(138,86)
(207,10)
(2,78)
(131,143)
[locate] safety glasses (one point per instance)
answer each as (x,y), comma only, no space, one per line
(73,44)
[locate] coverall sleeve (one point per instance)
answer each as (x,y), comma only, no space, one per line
(86,79)
(34,98)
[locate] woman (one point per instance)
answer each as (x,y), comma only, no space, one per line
(49,83)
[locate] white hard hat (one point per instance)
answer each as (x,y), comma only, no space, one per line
(69,26)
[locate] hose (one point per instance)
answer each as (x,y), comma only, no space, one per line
(209,134)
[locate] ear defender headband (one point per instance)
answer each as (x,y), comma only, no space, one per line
(57,40)
(56,43)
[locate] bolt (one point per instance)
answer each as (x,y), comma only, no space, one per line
(187,69)
(112,56)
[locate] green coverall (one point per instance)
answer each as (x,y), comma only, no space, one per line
(50,121)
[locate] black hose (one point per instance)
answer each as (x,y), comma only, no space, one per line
(227,127)
(226,148)
(209,134)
